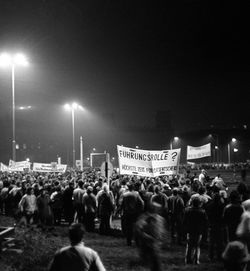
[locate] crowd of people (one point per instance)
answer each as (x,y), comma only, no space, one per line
(196,210)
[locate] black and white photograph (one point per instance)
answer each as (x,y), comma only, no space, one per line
(125,135)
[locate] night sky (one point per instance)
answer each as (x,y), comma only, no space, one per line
(123,61)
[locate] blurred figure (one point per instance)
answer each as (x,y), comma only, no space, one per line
(243,229)
(214,210)
(195,224)
(77,256)
(232,215)
(149,235)
(235,256)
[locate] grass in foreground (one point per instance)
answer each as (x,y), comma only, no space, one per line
(39,248)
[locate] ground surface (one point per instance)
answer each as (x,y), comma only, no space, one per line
(38,248)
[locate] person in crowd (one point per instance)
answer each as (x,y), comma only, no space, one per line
(28,206)
(44,209)
(67,200)
(203,176)
(161,199)
(76,256)
(16,195)
(4,197)
(105,209)
(202,195)
(90,206)
(244,191)
(214,210)
(243,229)
(176,210)
(77,201)
(150,234)
(232,215)
(235,256)
(186,195)
(219,182)
(132,206)
(194,223)
(56,203)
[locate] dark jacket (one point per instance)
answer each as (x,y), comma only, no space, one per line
(195,220)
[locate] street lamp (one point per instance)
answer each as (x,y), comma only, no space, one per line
(72,107)
(233,140)
(215,138)
(176,138)
(8,60)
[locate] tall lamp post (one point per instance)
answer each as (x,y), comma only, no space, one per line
(176,138)
(8,60)
(72,107)
(229,149)
(215,137)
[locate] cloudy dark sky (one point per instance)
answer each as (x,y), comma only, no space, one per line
(124,60)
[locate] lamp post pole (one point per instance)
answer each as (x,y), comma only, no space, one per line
(72,108)
(8,60)
(13,113)
(73,136)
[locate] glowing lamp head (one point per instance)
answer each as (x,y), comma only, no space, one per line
(9,60)
(67,107)
(5,60)
(74,105)
(20,59)
(234,139)
(176,138)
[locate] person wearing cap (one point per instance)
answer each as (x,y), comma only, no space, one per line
(235,256)
(89,203)
(195,223)
(76,256)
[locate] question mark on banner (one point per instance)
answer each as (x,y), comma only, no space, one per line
(174,154)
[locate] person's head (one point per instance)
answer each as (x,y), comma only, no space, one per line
(29,190)
(76,233)
(246,205)
(234,197)
(80,183)
(196,202)
(201,190)
(89,190)
(235,256)
(175,191)
(130,186)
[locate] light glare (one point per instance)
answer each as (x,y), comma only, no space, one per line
(5,60)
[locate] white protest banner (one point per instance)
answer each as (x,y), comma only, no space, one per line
(19,166)
(3,167)
(148,163)
(40,167)
(198,152)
